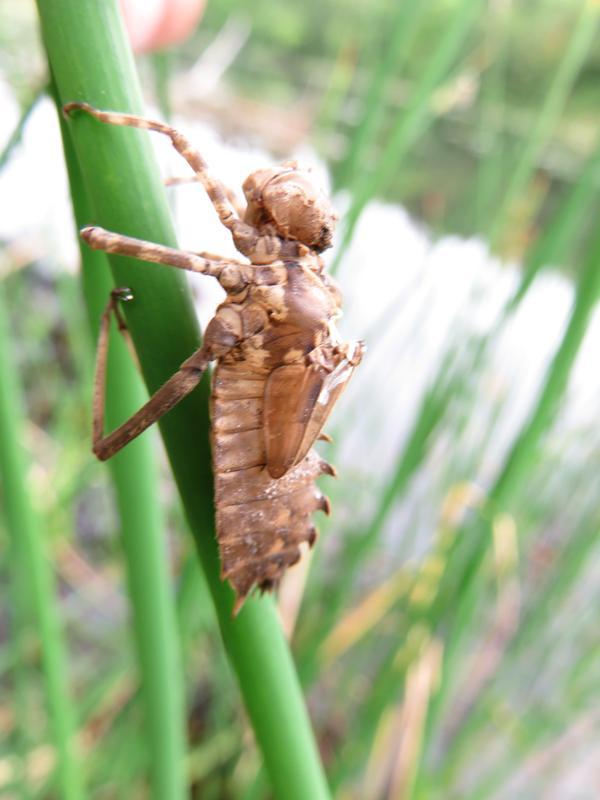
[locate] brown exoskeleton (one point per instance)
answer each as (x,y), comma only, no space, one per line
(280,365)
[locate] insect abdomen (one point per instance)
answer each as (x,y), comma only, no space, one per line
(261,521)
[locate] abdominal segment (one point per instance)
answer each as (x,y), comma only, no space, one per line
(261,521)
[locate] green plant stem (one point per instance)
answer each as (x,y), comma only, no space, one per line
(414,119)
(490,171)
(135,477)
(562,83)
(91,62)
(32,568)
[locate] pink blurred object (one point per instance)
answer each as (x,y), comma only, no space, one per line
(156,24)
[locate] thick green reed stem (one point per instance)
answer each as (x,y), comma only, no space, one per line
(91,62)
(135,477)
(31,569)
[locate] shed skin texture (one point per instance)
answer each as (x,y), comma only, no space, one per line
(280,364)
(266,414)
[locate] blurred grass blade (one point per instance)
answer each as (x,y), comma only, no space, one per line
(491,165)
(406,16)
(18,671)
(525,449)
(562,230)
(340,80)
(15,137)
(414,119)
(358,546)
(91,61)
(579,44)
(362,619)
(33,569)
(578,553)
(421,683)
(135,476)
(523,454)
(459,595)
(162,64)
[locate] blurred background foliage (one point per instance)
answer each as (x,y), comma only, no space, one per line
(328,63)
(447,634)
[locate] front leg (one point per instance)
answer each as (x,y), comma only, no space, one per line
(217,193)
(258,247)
(237,205)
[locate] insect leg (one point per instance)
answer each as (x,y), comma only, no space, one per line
(175,389)
(222,333)
(109,242)
(124,295)
(214,188)
(257,247)
(98,404)
(235,201)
